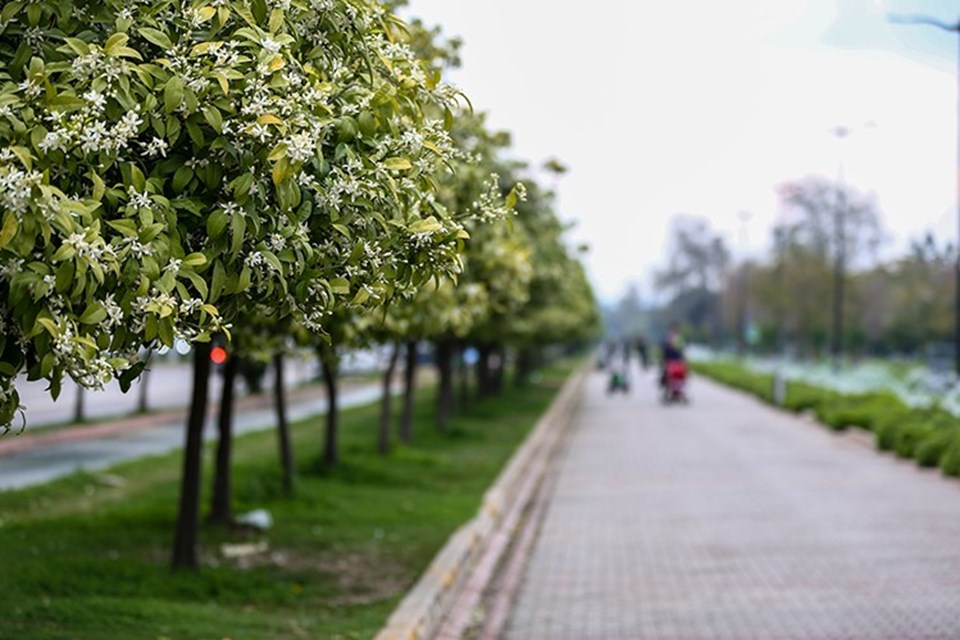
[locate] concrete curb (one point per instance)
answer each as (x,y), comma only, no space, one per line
(468,560)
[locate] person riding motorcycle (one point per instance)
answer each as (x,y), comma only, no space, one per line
(672,352)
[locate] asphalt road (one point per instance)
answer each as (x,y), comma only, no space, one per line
(167,385)
(44,463)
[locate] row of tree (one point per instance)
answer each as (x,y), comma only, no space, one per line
(821,289)
(268,174)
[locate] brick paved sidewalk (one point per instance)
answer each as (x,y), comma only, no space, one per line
(726,519)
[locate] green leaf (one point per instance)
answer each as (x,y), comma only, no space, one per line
(94,313)
(196,133)
(64,277)
(34,13)
(368,124)
(23,154)
(66,103)
(125,226)
(182,178)
(150,232)
(172,94)
(47,364)
(65,252)
(213,118)
(198,283)
(243,282)
(165,328)
(238,228)
(137,179)
(218,282)
(272,260)
(241,186)
(156,36)
(216,223)
(362,296)
(10,10)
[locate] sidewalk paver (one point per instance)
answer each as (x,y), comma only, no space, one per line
(725,519)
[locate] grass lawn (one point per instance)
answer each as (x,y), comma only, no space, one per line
(86,557)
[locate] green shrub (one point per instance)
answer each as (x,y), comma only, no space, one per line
(738,377)
(950,460)
(908,436)
(802,397)
(931,436)
(930,451)
(861,410)
(886,427)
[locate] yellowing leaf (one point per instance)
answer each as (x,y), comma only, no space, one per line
(281,171)
(195,259)
(98,187)
(49,325)
(397,164)
(204,47)
(224,83)
(269,118)
(114,42)
(426,225)
(276,20)
(10,227)
(340,286)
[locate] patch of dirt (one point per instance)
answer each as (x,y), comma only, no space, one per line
(361,579)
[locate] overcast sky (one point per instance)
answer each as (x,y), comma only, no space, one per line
(703,107)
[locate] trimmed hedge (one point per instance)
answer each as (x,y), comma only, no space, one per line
(930,436)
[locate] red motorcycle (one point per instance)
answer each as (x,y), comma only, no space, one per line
(674,382)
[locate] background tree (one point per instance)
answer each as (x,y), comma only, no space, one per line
(694,277)
(836,223)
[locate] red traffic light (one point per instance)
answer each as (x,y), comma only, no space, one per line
(218,355)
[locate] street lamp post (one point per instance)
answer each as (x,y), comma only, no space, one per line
(840,260)
(743,320)
(954,28)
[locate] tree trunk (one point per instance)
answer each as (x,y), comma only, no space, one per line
(221,509)
(409,388)
(188,517)
(78,412)
(498,366)
(484,377)
(445,351)
(464,374)
(283,427)
(386,401)
(331,446)
(143,389)
(524,366)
